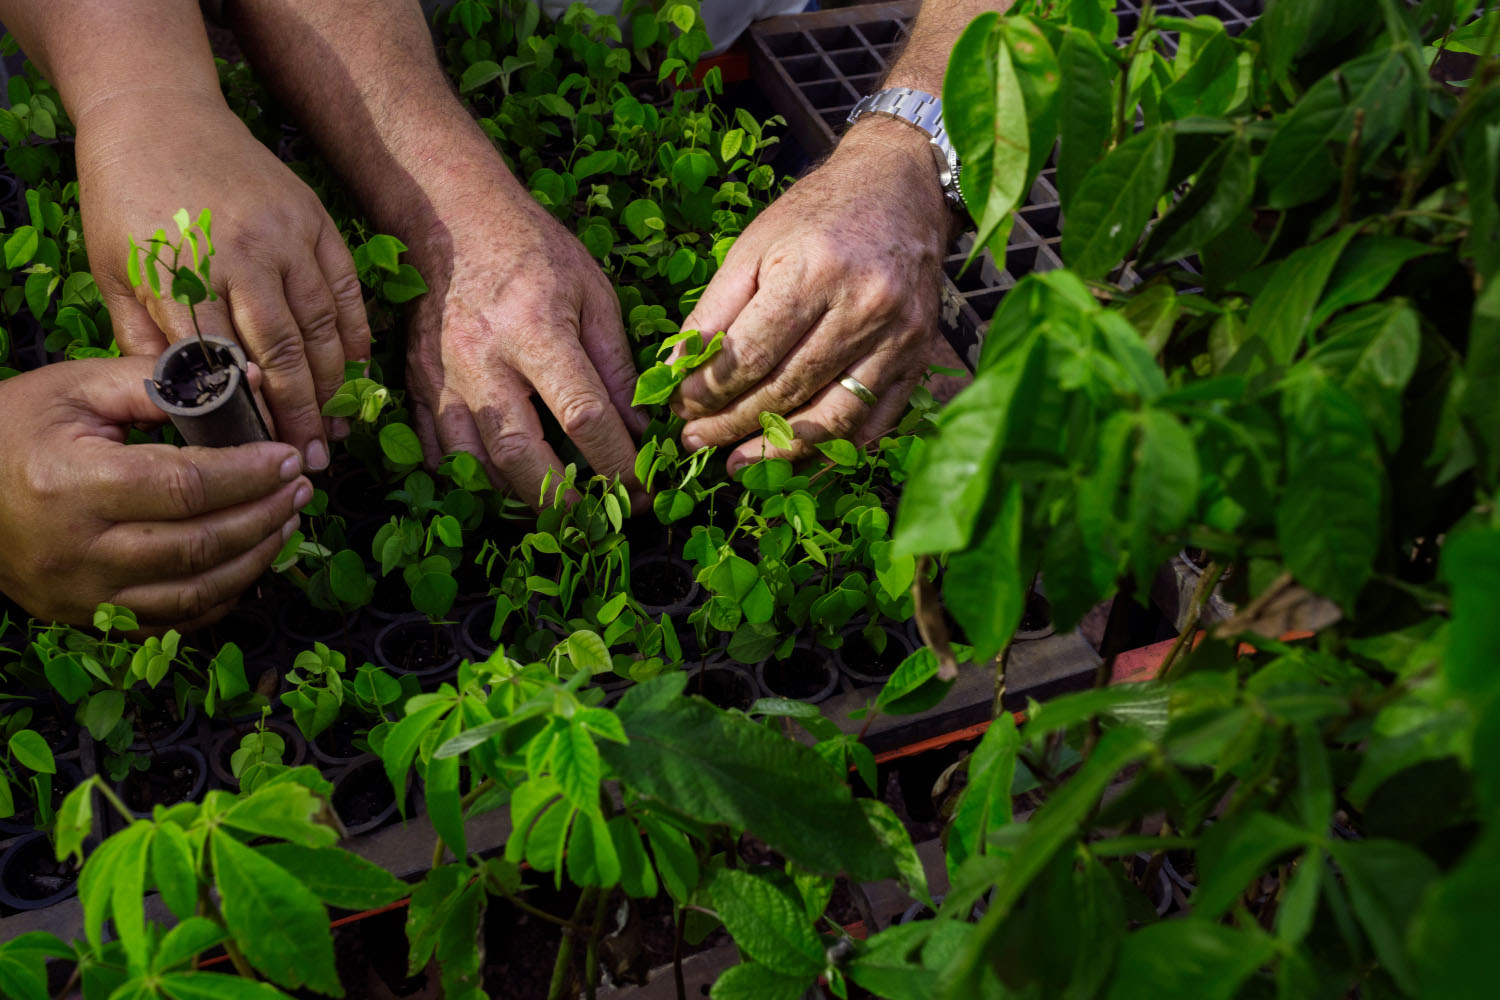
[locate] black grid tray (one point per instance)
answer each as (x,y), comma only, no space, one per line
(814,67)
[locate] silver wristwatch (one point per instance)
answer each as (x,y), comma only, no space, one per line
(919,108)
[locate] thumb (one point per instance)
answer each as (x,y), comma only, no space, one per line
(111,392)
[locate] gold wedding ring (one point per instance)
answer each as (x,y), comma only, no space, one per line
(861,391)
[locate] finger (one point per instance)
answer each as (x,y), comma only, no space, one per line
(173,550)
(197,597)
(603,339)
(348,295)
(758,340)
(151,482)
(316,311)
(511,433)
(814,363)
(568,384)
(728,292)
(455,428)
(836,412)
(273,340)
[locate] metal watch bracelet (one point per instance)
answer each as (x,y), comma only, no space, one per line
(925,111)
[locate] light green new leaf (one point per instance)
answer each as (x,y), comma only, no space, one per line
(216,986)
(174,870)
(275,919)
(766,923)
(588,651)
(1115,202)
(31,751)
(443,793)
(286,810)
(187,939)
(575,765)
(986,584)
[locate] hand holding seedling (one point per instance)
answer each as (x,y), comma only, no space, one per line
(154,134)
(175,534)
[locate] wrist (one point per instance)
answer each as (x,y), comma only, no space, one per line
(140,110)
(903,153)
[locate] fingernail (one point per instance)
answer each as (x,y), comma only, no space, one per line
(291,468)
(317,456)
(692,441)
(303,497)
(338,428)
(290,526)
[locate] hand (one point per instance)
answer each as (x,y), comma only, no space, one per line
(518,307)
(838,276)
(288,291)
(174,534)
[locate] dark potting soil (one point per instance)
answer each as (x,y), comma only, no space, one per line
(338,740)
(33,872)
(157,722)
(304,619)
(196,381)
(418,647)
(724,688)
(661,583)
(858,654)
(169,778)
(803,674)
(362,794)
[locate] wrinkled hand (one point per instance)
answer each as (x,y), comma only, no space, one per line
(838,276)
(518,307)
(174,534)
(288,290)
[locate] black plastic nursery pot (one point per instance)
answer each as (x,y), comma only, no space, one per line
(414,645)
(203,385)
(724,684)
(807,674)
(363,797)
(222,747)
(860,662)
(175,774)
(664,585)
(31,877)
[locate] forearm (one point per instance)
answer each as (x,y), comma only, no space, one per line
(104,53)
(939,23)
(365,81)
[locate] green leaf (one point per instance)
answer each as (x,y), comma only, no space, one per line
(75,820)
(1374,351)
(840,452)
(766,923)
(671,506)
(1481,399)
(478,74)
(642,217)
(575,765)
(31,751)
(913,687)
(215,986)
(1452,932)
(692,169)
(1115,202)
(588,652)
(985,113)
(286,810)
(757,982)
(443,792)
(778,432)
(1238,851)
(401,744)
(1283,312)
(101,712)
(126,878)
(674,856)
(1304,157)
(400,444)
(187,287)
(655,385)
(1221,192)
(192,936)
(1328,522)
(21,247)
(985,803)
(1187,958)
(1387,881)
(275,919)
(1084,110)
(1037,72)
(892,833)
(174,870)
(720,767)
(1163,488)
(405,285)
(986,584)
(1363,271)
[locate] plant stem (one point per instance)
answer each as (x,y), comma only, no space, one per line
(591,952)
(1206,584)
(1351,168)
(565,947)
(537,912)
(1453,126)
(1001,661)
(236,957)
(1142,29)
(474,793)
(679,932)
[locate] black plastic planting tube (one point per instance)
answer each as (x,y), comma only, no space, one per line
(228,415)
